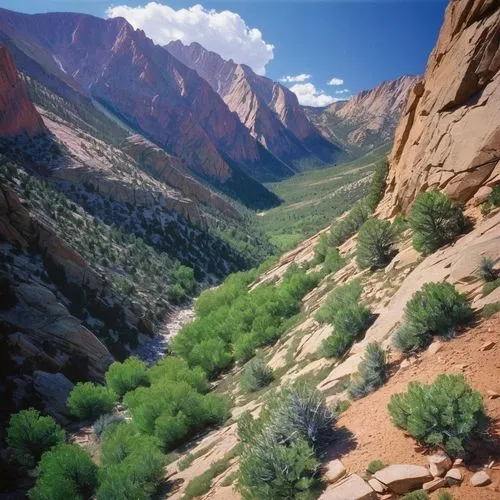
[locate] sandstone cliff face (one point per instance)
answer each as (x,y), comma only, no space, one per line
(369,119)
(147,87)
(18,116)
(449,136)
(270,111)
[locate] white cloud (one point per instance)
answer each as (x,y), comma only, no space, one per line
(343,91)
(336,81)
(296,78)
(224,32)
(309,95)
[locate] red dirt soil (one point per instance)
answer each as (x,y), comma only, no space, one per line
(377,438)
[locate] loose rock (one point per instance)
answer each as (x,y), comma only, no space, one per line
(377,485)
(435,484)
(439,465)
(352,487)
(487,346)
(335,470)
(453,476)
(480,478)
(401,478)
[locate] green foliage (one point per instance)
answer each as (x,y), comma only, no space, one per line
(416,495)
(372,372)
(377,185)
(255,376)
(349,316)
(89,401)
(132,464)
(490,286)
(494,197)
(435,221)
(201,484)
(321,249)
(104,421)
(340,406)
(486,270)
(490,309)
(176,369)
(123,377)
(65,472)
(343,229)
(333,261)
(375,245)
(437,309)
(447,413)
(232,322)
(29,434)
(185,462)
(444,495)
(375,466)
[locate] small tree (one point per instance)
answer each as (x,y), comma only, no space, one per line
(375,245)
(255,376)
(65,472)
(88,400)
(435,220)
(126,376)
(372,372)
(447,413)
(29,434)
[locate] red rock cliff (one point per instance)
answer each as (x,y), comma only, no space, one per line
(449,136)
(18,116)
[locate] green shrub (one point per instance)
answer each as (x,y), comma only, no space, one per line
(201,484)
(177,370)
(435,221)
(447,413)
(333,261)
(444,495)
(437,309)
(494,197)
(104,421)
(65,472)
(416,495)
(375,466)
(271,470)
(490,286)
(336,345)
(255,376)
(185,462)
(377,185)
(30,434)
(340,406)
(343,229)
(372,372)
(486,270)
(490,309)
(132,465)
(375,245)
(126,376)
(88,400)
(321,249)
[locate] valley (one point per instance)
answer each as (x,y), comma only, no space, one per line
(212,289)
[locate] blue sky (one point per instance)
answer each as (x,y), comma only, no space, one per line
(359,42)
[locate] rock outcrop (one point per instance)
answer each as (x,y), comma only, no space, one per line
(270,111)
(367,120)
(449,136)
(150,90)
(18,116)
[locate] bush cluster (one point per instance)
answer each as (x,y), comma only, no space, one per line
(281,449)
(255,376)
(232,322)
(29,434)
(437,309)
(375,246)
(348,315)
(447,413)
(435,220)
(89,401)
(372,372)
(126,376)
(65,472)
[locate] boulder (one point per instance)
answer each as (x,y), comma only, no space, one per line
(487,346)
(401,478)
(53,389)
(334,470)
(439,464)
(352,487)
(435,484)
(377,485)
(454,476)
(480,478)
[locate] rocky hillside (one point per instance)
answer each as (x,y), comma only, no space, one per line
(147,87)
(268,110)
(449,136)
(367,120)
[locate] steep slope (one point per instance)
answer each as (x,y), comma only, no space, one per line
(148,88)
(18,116)
(366,121)
(270,111)
(449,136)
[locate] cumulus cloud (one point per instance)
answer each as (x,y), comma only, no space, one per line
(296,78)
(309,95)
(343,91)
(224,32)
(335,81)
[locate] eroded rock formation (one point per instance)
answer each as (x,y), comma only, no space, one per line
(449,136)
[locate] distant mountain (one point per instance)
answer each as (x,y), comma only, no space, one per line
(80,56)
(366,121)
(270,111)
